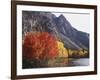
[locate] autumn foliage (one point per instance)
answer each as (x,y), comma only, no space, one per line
(39,45)
(62,50)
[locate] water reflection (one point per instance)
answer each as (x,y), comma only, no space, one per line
(57,62)
(67,62)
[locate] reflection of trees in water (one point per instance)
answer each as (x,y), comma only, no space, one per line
(57,62)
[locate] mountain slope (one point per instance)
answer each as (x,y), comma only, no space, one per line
(60,27)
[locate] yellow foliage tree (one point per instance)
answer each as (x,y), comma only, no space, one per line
(62,52)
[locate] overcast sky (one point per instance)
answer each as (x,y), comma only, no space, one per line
(79,21)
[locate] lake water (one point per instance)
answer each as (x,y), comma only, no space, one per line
(79,62)
(57,62)
(68,62)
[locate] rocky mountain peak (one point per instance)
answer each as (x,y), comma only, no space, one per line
(62,18)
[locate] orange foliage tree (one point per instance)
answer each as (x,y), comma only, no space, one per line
(39,46)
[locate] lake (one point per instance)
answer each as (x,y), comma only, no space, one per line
(79,62)
(56,62)
(68,62)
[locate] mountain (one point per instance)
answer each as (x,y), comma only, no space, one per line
(79,37)
(60,27)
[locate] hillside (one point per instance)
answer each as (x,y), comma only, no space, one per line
(59,27)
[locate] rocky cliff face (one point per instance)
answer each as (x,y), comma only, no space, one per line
(60,27)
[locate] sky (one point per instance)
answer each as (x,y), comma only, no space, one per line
(79,21)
